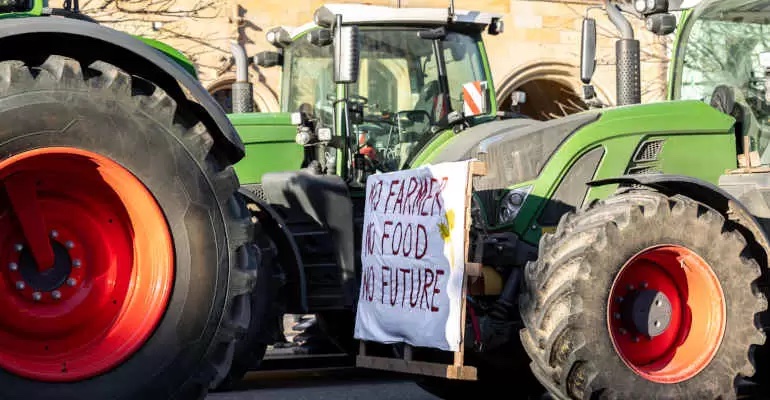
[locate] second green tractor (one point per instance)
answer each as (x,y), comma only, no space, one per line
(624,249)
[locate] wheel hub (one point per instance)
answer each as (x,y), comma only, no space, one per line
(48,279)
(646,312)
(666,314)
(60,281)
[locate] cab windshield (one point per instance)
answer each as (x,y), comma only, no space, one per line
(399,86)
(723,44)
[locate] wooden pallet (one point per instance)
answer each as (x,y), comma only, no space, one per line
(457,370)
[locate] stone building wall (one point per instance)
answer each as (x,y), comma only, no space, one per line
(538,52)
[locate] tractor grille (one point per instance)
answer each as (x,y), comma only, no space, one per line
(256,188)
(649,151)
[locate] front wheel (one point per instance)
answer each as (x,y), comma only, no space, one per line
(643,296)
(124,265)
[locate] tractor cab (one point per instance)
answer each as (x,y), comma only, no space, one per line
(723,58)
(408,73)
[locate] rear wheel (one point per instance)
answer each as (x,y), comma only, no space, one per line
(124,269)
(643,296)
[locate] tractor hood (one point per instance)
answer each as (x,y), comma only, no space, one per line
(515,150)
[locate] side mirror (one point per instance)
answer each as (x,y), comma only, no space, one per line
(268,59)
(475,98)
(346,52)
(588,50)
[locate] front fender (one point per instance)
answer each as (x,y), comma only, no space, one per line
(39,36)
(699,190)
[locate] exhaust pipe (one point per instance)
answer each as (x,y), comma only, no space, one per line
(627,59)
(243,97)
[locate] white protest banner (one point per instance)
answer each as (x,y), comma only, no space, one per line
(413,257)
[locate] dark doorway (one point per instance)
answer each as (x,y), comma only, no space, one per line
(546,99)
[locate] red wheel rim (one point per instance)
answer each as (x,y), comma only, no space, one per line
(667,349)
(114,265)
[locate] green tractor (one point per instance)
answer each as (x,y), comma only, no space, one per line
(413,65)
(127,252)
(624,249)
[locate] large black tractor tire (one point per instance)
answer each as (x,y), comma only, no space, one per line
(251,348)
(55,113)
(580,332)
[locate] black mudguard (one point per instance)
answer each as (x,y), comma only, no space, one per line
(109,42)
(702,191)
(318,212)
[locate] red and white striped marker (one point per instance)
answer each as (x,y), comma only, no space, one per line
(474,98)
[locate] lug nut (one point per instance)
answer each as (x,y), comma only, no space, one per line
(13,266)
(636,339)
(54,234)
(37,296)
(630,287)
(71,281)
(69,244)
(56,295)
(620,299)
(20,285)
(76,263)
(644,285)
(18,247)
(617,315)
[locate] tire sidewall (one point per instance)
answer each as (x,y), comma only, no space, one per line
(97,121)
(703,237)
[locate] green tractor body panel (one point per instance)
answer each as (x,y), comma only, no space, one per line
(270,145)
(172,53)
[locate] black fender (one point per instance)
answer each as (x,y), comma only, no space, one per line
(288,254)
(28,38)
(702,191)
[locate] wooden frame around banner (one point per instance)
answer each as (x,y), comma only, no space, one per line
(457,370)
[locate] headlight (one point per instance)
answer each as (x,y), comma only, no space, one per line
(511,203)
(304,136)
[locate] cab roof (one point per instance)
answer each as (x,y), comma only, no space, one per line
(363,14)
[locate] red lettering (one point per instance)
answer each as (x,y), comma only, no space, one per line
(369,239)
(428,282)
(399,200)
(437,198)
(408,239)
(409,193)
(404,271)
(385,234)
(387,201)
(430,196)
(393,289)
(436,290)
(395,244)
(421,233)
(412,291)
(375,195)
(384,282)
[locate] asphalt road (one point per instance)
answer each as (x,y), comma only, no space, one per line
(319,384)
